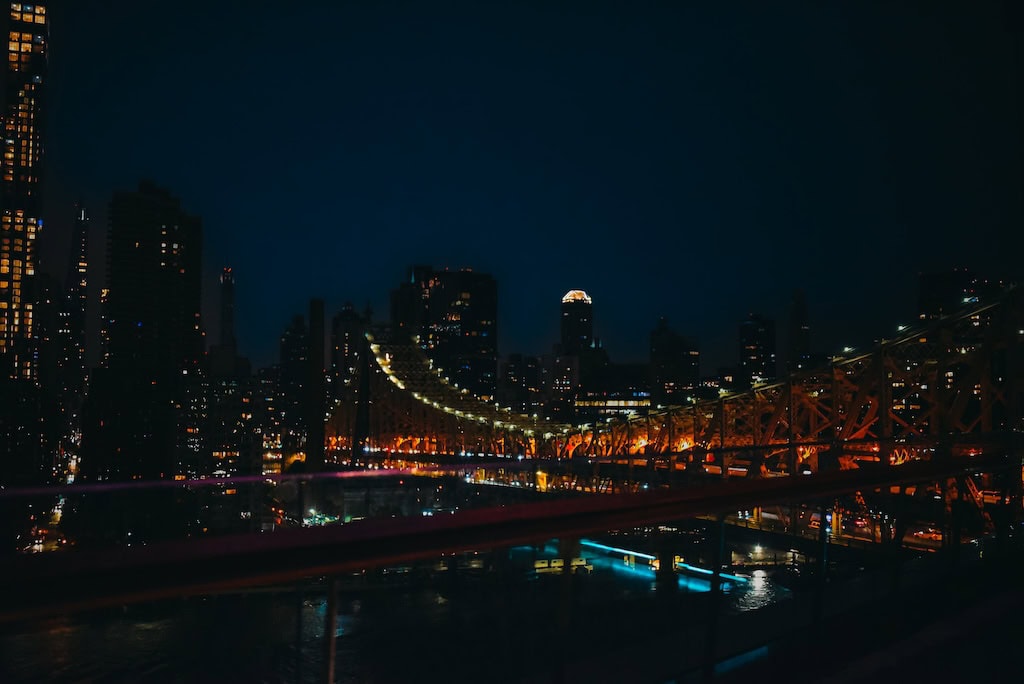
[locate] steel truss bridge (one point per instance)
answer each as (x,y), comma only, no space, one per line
(902,401)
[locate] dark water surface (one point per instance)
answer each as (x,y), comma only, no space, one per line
(484,622)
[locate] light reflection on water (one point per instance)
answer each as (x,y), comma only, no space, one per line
(759,592)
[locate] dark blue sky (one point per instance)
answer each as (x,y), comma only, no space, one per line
(691,162)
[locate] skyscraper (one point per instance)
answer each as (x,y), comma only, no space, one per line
(227,309)
(73,311)
(675,365)
(941,293)
(347,341)
(231,431)
(293,383)
(21,118)
(454,314)
(577,322)
(146,395)
(757,350)
(799,334)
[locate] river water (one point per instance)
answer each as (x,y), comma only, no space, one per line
(487,621)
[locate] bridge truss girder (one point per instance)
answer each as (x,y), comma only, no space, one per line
(962,374)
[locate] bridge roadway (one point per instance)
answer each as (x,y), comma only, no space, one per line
(48,584)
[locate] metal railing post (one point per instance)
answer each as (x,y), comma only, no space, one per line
(331,630)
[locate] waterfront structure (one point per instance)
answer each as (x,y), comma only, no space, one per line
(22,109)
(757,350)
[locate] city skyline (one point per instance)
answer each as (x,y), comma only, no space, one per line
(306,378)
(520,161)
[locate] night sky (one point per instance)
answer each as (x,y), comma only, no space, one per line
(695,162)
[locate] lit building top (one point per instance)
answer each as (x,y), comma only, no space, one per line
(576,296)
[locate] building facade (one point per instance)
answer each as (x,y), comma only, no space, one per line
(757,350)
(454,315)
(145,412)
(577,322)
(675,366)
(22,109)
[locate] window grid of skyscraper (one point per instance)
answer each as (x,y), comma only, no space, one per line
(21,122)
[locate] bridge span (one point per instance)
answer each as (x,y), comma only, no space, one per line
(958,375)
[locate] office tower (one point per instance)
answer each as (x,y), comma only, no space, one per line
(577,322)
(224,359)
(454,314)
(410,301)
(348,330)
(941,293)
(231,430)
(316,390)
(675,365)
(22,109)
(146,404)
(227,309)
(799,334)
(521,384)
(73,313)
(562,376)
(757,350)
(267,418)
(292,381)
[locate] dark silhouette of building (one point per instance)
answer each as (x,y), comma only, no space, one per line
(146,405)
(269,426)
(800,357)
(561,386)
(454,315)
(72,362)
(941,293)
(348,329)
(577,322)
(757,350)
(22,109)
(30,416)
(231,431)
(521,384)
(616,389)
(675,365)
(227,309)
(292,381)
(316,390)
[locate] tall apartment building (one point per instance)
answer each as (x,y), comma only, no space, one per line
(454,315)
(22,108)
(145,412)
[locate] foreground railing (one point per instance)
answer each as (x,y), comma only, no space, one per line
(578,570)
